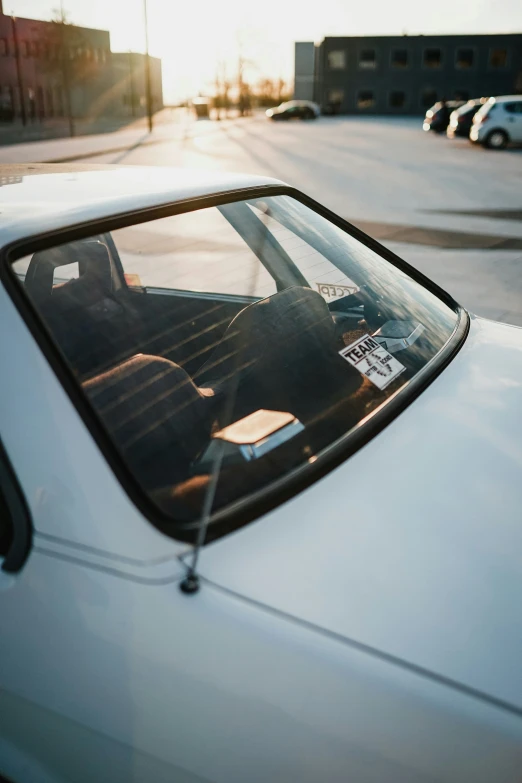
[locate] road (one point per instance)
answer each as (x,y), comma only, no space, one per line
(451,209)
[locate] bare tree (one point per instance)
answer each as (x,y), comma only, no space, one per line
(271,91)
(66,56)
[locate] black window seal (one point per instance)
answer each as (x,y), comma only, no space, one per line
(16,504)
(260,502)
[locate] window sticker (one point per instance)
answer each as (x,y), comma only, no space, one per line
(373,361)
(333,291)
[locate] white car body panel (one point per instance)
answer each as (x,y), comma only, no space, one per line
(71,492)
(500,119)
(322,641)
(387,551)
(47,202)
(139,682)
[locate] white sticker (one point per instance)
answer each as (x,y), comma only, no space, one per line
(333,291)
(373,361)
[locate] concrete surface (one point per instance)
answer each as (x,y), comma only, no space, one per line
(384,174)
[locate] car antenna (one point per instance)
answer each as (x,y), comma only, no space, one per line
(191,582)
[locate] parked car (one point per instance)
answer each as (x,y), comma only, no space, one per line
(294,110)
(498,122)
(461,119)
(437,118)
(260,496)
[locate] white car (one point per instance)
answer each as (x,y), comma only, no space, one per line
(498,122)
(260,494)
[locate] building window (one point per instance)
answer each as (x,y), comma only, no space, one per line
(337,60)
(400,58)
(49,101)
(465,58)
(498,58)
(432,58)
(40,106)
(367,59)
(397,99)
(32,103)
(4,49)
(59,101)
(6,104)
(365,99)
(428,98)
(334,99)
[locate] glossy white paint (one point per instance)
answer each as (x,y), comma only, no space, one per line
(113,680)
(109,672)
(412,546)
(71,492)
(47,202)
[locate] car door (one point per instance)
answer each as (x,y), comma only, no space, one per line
(514,120)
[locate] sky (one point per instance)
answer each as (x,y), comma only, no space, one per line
(193,37)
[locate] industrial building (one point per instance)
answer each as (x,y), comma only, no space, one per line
(52,70)
(405,74)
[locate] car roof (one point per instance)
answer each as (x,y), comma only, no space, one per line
(469,106)
(506,98)
(36,198)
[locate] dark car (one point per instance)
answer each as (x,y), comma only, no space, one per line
(294,110)
(437,118)
(461,119)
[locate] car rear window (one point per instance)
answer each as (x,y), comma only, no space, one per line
(225,350)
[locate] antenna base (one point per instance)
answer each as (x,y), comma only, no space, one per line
(190,584)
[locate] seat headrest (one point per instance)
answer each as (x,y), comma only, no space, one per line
(294,321)
(157,416)
(94,267)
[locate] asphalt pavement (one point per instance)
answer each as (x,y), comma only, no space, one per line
(449,208)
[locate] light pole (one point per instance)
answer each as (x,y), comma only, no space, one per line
(147,68)
(19,71)
(131,79)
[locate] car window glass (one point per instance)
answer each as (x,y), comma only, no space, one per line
(321,274)
(65,272)
(197,251)
(245,339)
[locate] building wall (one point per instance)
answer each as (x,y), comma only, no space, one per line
(407,74)
(87,55)
(304,71)
(52,55)
(129,91)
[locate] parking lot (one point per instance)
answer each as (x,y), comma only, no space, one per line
(452,209)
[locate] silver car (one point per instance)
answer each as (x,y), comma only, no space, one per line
(498,122)
(260,494)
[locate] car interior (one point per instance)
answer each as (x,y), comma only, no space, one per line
(166,370)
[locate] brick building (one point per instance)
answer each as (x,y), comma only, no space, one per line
(48,69)
(407,74)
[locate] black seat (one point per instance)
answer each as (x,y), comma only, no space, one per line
(156,415)
(93,282)
(91,324)
(279,349)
